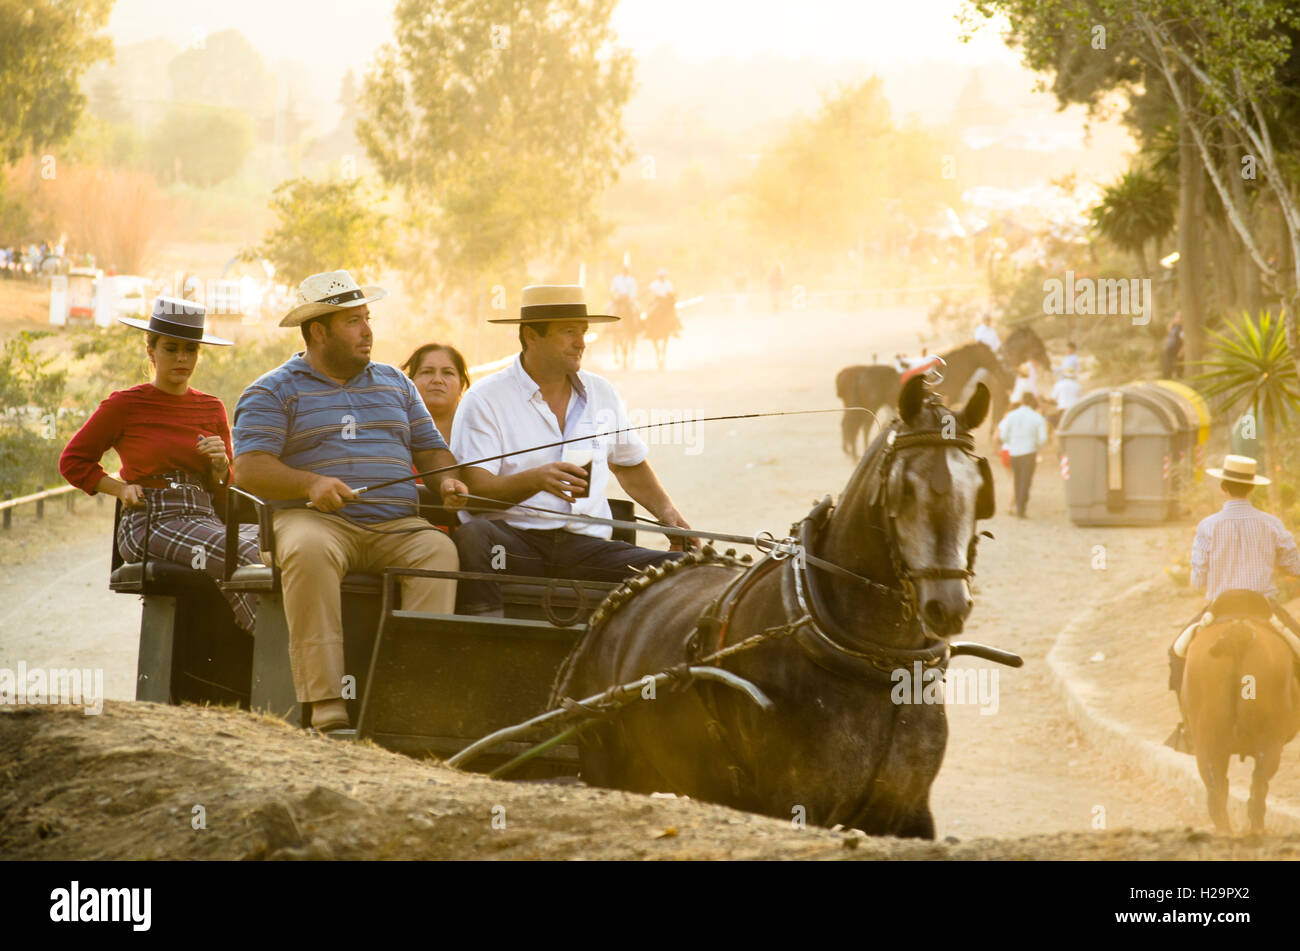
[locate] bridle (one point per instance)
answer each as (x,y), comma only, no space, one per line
(889,475)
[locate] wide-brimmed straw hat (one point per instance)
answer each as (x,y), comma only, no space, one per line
(180,319)
(1239,469)
(542,302)
(328,293)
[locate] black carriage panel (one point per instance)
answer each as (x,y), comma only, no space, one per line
(437,682)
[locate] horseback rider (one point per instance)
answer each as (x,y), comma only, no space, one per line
(1236,548)
(623,290)
(661,287)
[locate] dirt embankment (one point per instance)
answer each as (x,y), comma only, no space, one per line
(134,782)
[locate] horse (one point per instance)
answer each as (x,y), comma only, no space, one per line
(878,584)
(1239,695)
(874,388)
(625,331)
(1023,344)
(660,324)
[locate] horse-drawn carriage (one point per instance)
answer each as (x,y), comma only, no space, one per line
(424,684)
(815,636)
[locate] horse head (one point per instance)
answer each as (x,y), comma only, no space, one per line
(1023,344)
(915,500)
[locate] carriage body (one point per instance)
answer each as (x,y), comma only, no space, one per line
(425,684)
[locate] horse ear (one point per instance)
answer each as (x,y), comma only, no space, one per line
(910,398)
(976,408)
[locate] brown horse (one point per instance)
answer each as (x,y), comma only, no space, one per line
(1239,695)
(660,324)
(625,332)
(876,387)
(881,580)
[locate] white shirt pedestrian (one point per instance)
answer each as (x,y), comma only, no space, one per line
(1022,431)
(1066,392)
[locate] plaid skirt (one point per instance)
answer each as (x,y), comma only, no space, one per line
(185,530)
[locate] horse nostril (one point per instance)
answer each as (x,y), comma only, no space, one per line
(934,612)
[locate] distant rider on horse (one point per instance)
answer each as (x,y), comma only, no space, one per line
(623,290)
(1236,548)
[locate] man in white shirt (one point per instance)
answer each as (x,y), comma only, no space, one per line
(1022,431)
(543,397)
(661,286)
(1065,393)
(623,290)
(985,334)
(1026,382)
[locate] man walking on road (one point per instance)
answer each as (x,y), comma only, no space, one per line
(1023,431)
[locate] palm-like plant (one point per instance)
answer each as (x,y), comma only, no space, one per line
(1250,367)
(1137,209)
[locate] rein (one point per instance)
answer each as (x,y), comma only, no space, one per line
(764,541)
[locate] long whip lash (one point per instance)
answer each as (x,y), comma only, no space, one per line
(613,432)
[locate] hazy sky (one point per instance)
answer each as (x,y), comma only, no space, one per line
(346,33)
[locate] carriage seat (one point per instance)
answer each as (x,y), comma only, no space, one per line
(130,577)
(1240,603)
(153,575)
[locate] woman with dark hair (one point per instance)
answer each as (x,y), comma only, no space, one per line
(439,373)
(174,443)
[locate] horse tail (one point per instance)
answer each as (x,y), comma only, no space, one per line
(1233,643)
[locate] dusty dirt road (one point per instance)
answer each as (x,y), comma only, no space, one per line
(1014,768)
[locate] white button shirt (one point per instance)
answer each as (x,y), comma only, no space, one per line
(506,411)
(987,336)
(623,285)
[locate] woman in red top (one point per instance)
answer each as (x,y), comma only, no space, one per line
(174,443)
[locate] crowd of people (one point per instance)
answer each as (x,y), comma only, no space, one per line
(330,421)
(32,260)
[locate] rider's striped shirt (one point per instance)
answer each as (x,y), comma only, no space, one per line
(1238,547)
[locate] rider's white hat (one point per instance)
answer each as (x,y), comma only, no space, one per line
(328,293)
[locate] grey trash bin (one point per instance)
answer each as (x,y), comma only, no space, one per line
(1120,447)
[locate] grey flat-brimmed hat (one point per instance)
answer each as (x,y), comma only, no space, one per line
(543,302)
(181,319)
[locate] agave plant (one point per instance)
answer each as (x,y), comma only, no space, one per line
(1250,368)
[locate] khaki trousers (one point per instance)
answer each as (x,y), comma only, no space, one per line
(315,551)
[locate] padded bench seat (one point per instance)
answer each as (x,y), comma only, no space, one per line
(259,579)
(129,577)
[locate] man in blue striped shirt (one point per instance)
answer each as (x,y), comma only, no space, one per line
(1237,548)
(324,421)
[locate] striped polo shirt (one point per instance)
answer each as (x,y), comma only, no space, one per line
(362,432)
(1238,547)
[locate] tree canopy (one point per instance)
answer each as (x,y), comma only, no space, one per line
(45,47)
(501,120)
(323,226)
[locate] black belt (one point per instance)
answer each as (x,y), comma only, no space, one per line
(170,480)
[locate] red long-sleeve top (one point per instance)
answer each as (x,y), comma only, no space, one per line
(152,431)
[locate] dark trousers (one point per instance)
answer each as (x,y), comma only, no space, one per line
(547,553)
(1022,471)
